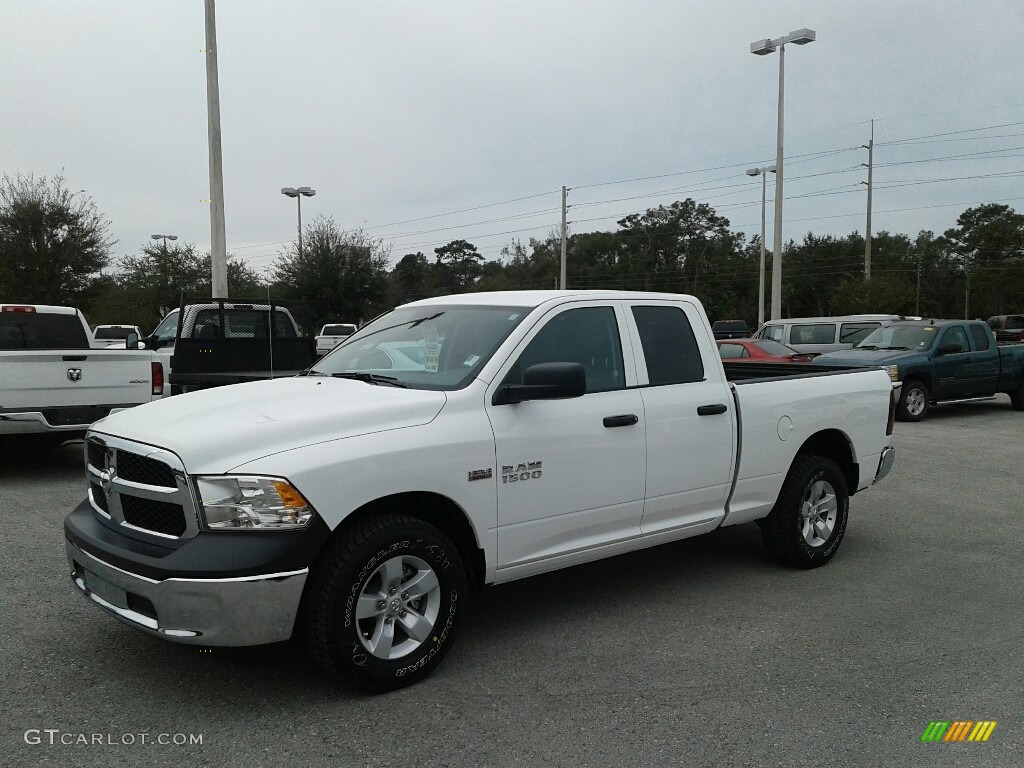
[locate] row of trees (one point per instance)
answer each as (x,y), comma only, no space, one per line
(55,248)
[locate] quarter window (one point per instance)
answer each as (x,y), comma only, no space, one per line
(670,347)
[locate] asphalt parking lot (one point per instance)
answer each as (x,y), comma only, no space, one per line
(698,653)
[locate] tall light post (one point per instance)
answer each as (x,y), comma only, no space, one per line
(298,193)
(763,48)
(763,173)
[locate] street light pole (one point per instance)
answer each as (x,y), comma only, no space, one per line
(218,241)
(165,238)
(763,173)
(762,48)
(298,193)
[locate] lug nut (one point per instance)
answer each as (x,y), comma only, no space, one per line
(381,605)
(405,595)
(403,613)
(387,619)
(392,591)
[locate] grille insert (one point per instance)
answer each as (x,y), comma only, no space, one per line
(99,498)
(97,454)
(159,516)
(139,469)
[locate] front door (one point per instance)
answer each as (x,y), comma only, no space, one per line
(571,470)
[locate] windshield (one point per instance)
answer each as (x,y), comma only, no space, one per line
(425,347)
(916,337)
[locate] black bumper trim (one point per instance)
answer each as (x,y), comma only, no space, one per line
(207,556)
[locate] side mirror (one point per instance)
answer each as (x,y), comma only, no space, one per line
(544,381)
(131,340)
(950,348)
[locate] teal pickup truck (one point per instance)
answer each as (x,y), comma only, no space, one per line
(938,360)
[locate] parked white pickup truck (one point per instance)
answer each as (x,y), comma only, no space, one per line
(522,432)
(54,383)
(331,335)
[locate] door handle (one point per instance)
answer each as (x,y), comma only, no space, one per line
(627,420)
(711,410)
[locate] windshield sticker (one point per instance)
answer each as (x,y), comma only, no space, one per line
(471,361)
(430,357)
(929,329)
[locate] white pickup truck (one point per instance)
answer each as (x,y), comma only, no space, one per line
(331,335)
(451,443)
(54,383)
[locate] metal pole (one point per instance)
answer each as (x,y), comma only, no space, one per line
(917,302)
(777,245)
(760,285)
(562,273)
(218,245)
(299,200)
(867,238)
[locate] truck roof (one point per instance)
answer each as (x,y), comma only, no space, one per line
(537,298)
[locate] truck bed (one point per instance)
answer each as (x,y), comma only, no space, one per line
(744,373)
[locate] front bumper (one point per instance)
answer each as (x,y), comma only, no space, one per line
(885,462)
(222,589)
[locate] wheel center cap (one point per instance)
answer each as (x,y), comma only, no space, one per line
(396,605)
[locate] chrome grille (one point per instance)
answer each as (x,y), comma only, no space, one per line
(139,469)
(159,516)
(141,488)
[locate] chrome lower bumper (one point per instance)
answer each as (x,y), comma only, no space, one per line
(885,462)
(250,610)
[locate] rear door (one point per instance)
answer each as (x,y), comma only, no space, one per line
(690,417)
(983,367)
(952,371)
(572,470)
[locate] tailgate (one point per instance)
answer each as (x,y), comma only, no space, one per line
(46,379)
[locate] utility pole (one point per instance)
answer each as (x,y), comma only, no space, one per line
(917,302)
(565,191)
(218,244)
(870,147)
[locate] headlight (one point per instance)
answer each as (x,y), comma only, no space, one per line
(893,371)
(231,503)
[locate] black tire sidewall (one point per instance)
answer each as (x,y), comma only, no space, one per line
(901,409)
(349,655)
(830,473)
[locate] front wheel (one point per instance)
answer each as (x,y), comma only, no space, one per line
(807,523)
(913,404)
(384,602)
(1017,398)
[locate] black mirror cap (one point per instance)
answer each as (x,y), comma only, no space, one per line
(950,348)
(545,381)
(131,340)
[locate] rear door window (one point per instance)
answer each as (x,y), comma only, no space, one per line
(981,342)
(773,332)
(669,345)
(816,333)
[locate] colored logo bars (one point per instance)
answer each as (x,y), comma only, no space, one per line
(959,730)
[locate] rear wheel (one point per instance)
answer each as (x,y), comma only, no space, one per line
(384,602)
(807,523)
(913,404)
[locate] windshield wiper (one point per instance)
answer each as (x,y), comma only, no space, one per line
(872,347)
(894,347)
(369,378)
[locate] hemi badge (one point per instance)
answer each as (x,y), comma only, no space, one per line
(480,474)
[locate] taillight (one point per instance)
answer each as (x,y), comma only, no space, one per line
(892,413)
(157,377)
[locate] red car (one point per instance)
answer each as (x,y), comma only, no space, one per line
(761,351)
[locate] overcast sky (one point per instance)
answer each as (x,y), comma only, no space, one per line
(399,111)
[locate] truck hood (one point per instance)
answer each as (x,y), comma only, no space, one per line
(864,357)
(215,430)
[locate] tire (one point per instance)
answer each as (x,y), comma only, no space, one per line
(914,401)
(1017,398)
(384,602)
(807,523)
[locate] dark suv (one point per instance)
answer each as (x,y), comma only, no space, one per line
(730,329)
